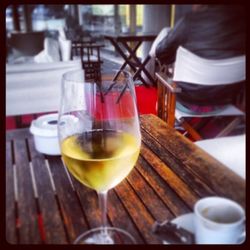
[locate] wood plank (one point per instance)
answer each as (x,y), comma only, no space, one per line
(72,213)
(179,186)
(217,176)
(192,179)
(171,169)
(138,212)
(160,100)
(149,198)
(52,221)
(179,146)
(192,132)
(117,215)
(120,218)
(27,211)
(166,194)
(89,203)
(16,134)
(171,108)
(11,236)
(174,142)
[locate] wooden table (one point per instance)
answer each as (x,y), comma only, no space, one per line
(123,41)
(45,205)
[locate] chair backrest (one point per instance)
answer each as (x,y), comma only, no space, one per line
(28,43)
(194,69)
(89,54)
(163,33)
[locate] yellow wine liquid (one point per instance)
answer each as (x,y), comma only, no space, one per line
(100,159)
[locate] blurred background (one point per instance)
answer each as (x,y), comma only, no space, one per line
(91,21)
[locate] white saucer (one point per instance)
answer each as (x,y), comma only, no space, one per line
(185,221)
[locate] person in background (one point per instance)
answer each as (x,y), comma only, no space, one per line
(212,32)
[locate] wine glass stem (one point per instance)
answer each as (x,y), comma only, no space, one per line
(102,197)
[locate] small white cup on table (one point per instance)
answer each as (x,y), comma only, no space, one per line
(219,221)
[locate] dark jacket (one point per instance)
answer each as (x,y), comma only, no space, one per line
(217,32)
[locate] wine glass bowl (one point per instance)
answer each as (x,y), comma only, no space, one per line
(100,138)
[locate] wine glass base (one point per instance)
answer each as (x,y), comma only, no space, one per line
(105,236)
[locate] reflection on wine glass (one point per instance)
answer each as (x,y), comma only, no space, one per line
(100,139)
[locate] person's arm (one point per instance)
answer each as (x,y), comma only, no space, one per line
(166,49)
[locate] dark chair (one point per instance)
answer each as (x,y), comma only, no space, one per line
(28,43)
(89,54)
(193,69)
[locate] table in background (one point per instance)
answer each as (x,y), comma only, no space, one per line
(131,42)
(45,205)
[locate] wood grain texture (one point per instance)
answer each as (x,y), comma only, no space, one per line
(71,211)
(176,165)
(138,212)
(18,134)
(10,216)
(120,217)
(174,203)
(89,203)
(214,174)
(27,210)
(171,174)
(52,221)
(149,198)
(179,186)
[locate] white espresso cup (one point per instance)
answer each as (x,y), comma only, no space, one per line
(219,221)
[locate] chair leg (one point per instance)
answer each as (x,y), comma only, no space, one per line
(194,134)
(230,127)
(201,124)
(171,103)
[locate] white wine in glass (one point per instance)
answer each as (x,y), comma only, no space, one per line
(100,139)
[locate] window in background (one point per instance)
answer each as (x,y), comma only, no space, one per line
(9,21)
(96,19)
(139,17)
(43,17)
(139,23)
(124,17)
(48,17)
(103,9)
(103,18)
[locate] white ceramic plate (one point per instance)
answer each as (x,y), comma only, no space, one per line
(185,221)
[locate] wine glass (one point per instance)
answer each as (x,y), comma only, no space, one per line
(100,139)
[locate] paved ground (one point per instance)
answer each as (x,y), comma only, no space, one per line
(110,61)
